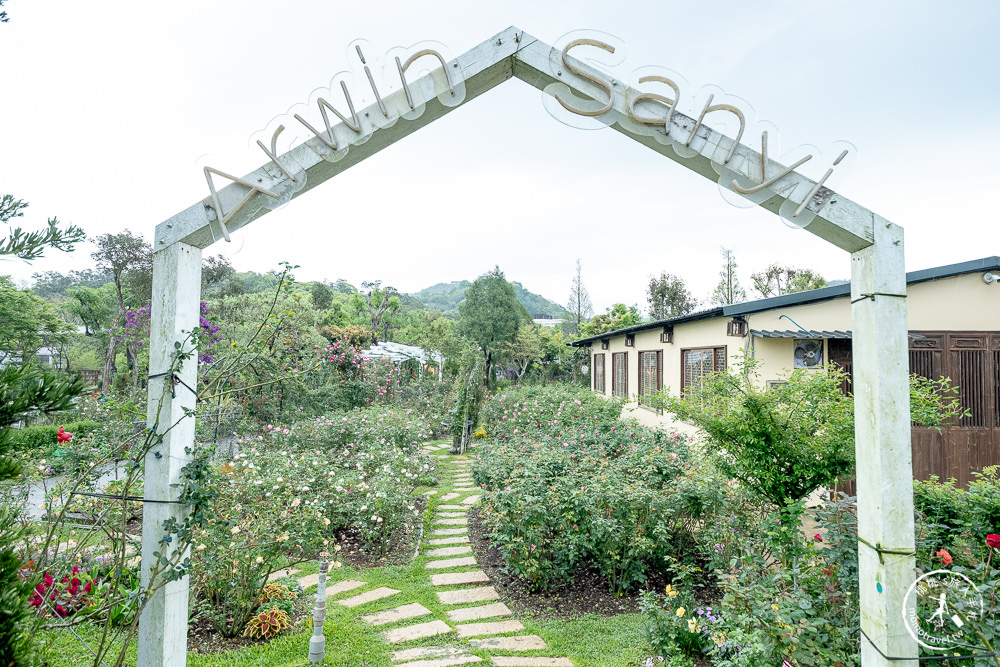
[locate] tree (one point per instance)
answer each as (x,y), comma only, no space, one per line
(490,315)
(119,254)
(322,296)
(382,304)
(95,308)
(729,290)
(27,322)
(668,297)
(216,272)
(3,19)
(776,280)
(615,317)
(785,441)
(579,305)
(344,287)
(525,348)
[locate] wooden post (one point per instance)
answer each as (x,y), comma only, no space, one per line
(882,443)
(174,315)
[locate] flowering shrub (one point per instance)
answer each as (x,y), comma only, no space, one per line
(267,623)
(291,488)
(63,596)
(677,623)
(566,483)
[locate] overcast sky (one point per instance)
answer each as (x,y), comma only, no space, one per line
(110,110)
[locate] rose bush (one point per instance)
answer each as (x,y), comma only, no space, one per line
(566,483)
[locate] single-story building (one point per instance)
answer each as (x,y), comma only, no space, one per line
(953,317)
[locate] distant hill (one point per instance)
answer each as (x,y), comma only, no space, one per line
(446,297)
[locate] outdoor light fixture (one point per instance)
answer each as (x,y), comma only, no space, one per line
(991,278)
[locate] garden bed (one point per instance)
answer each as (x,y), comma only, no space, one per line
(586,592)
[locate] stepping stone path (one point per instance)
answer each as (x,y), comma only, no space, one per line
(474,618)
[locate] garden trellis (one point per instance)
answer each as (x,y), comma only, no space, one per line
(878,289)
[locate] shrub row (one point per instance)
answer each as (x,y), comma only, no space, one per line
(567,483)
(44,437)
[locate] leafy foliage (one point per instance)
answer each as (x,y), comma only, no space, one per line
(781,442)
(566,483)
(776,280)
(31,245)
(267,623)
(615,317)
(668,297)
(728,290)
(491,315)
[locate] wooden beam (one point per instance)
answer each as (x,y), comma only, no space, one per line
(839,220)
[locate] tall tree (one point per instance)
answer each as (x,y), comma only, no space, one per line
(525,348)
(490,315)
(119,254)
(669,297)
(383,304)
(579,305)
(728,290)
(322,296)
(776,280)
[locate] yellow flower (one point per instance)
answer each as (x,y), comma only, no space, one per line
(680,612)
(692,625)
(774,607)
(670,592)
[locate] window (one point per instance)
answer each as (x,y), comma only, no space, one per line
(629,340)
(696,364)
(599,373)
(650,373)
(619,374)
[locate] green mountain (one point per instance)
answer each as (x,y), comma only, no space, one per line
(446,297)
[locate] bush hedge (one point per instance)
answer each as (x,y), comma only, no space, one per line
(566,483)
(41,437)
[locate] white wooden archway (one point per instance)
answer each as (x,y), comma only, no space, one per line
(878,289)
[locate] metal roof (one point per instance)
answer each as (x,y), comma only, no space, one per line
(799,298)
(798,333)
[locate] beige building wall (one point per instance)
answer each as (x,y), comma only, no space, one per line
(958,303)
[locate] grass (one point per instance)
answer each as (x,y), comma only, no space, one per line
(590,641)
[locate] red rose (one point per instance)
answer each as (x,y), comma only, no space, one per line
(817,537)
(993,541)
(945,557)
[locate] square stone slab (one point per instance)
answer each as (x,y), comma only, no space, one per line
(418,631)
(463,485)
(412,610)
(522,661)
(369,596)
(309,580)
(423,652)
(476,613)
(443,662)
(342,587)
(493,628)
(452,507)
(429,492)
(454,578)
(519,643)
(281,574)
(471,500)
(451,562)
(448,551)
(464,521)
(464,539)
(449,496)
(450,515)
(449,531)
(464,595)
